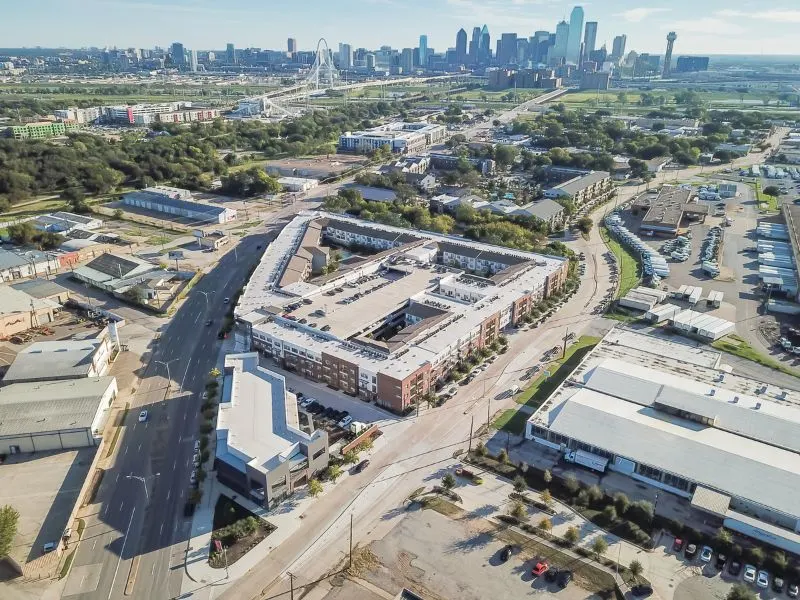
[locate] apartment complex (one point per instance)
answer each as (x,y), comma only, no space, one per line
(584,189)
(398,315)
(263,450)
(40,131)
(672,416)
(164,112)
(401,138)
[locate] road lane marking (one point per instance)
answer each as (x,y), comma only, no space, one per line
(168,493)
(160,530)
(126,449)
(140,448)
(121,504)
(153,569)
(181,493)
(94,543)
(121,554)
(175,464)
(117,479)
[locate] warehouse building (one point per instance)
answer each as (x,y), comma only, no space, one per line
(66,222)
(63,359)
(43,289)
(263,450)
(669,415)
(178,203)
(20,311)
(54,415)
(665,212)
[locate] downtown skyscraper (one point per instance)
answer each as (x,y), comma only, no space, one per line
(575,35)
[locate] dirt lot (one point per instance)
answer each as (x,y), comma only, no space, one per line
(444,558)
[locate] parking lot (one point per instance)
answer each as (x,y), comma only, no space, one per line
(448,558)
(43,487)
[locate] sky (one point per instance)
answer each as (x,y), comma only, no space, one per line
(719,27)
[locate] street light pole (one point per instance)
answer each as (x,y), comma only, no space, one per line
(166,364)
(144,483)
(205,295)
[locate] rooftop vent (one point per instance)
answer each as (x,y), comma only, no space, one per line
(736,399)
(758,405)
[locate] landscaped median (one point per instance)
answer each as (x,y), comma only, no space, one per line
(733,344)
(629,269)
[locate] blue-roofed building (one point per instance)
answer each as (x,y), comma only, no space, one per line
(263,449)
(179,203)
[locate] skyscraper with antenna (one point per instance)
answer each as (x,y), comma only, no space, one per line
(671,37)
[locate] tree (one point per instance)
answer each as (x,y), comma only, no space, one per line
(22,233)
(448,481)
(545,525)
(505,155)
(599,546)
(517,510)
(585,225)
(215,372)
(520,485)
(502,456)
(314,488)
(741,592)
(118,214)
(635,568)
(334,472)
(772,190)
(572,535)
(755,556)
(778,563)
(547,498)
(571,483)
(621,503)
(547,476)
(350,458)
(480,449)
(723,540)
(8,528)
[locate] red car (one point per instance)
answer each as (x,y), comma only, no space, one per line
(540,568)
(677,545)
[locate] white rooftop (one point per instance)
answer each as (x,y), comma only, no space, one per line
(258,423)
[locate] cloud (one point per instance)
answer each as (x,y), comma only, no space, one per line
(711,26)
(635,15)
(773,15)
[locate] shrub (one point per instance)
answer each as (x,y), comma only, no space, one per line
(609,514)
(480,449)
(520,485)
(448,481)
(350,458)
(595,494)
(582,499)
(755,556)
(206,428)
(621,503)
(503,456)
(314,488)
(641,513)
(635,568)
(518,510)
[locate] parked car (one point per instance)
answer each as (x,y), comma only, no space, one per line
(361,466)
(197,445)
(691,551)
(345,422)
(306,402)
(749,573)
(49,547)
(227,300)
(720,564)
(642,590)
(777,584)
(209,322)
(564,577)
(193,477)
(677,545)
(706,554)
(540,568)
(505,553)
(734,568)
(143,416)
(762,580)
(792,591)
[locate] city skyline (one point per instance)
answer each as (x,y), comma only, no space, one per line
(721,28)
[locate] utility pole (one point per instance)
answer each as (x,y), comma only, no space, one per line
(350,566)
(291,586)
(566,337)
(471,423)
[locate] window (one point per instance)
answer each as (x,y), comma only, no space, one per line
(649,472)
(318,453)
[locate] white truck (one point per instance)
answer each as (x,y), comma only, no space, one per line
(586,459)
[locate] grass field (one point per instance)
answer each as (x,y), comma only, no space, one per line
(737,346)
(766,202)
(541,387)
(629,266)
(511,420)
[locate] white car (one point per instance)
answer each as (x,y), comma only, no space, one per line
(763,579)
(749,573)
(345,422)
(193,477)
(306,402)
(705,554)
(143,416)
(197,445)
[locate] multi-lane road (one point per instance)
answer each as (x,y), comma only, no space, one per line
(131,522)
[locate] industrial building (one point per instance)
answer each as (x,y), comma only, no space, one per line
(54,415)
(398,315)
(178,202)
(20,311)
(263,450)
(672,416)
(298,184)
(20,264)
(401,138)
(664,213)
(62,359)
(584,189)
(66,222)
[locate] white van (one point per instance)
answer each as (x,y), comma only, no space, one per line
(514,390)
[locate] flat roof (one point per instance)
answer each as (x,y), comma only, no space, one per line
(13,300)
(58,359)
(40,288)
(258,421)
(667,208)
(41,407)
(580,183)
(718,459)
(165,200)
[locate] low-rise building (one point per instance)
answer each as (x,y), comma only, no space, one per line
(178,202)
(264,449)
(298,184)
(672,417)
(212,239)
(594,186)
(54,415)
(43,289)
(63,359)
(20,311)
(66,222)
(21,264)
(40,131)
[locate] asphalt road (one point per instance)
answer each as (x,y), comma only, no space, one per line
(131,522)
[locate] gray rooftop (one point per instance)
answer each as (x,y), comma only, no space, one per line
(165,200)
(577,184)
(369,192)
(13,300)
(16,258)
(668,207)
(40,288)
(116,266)
(66,359)
(30,408)
(544,209)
